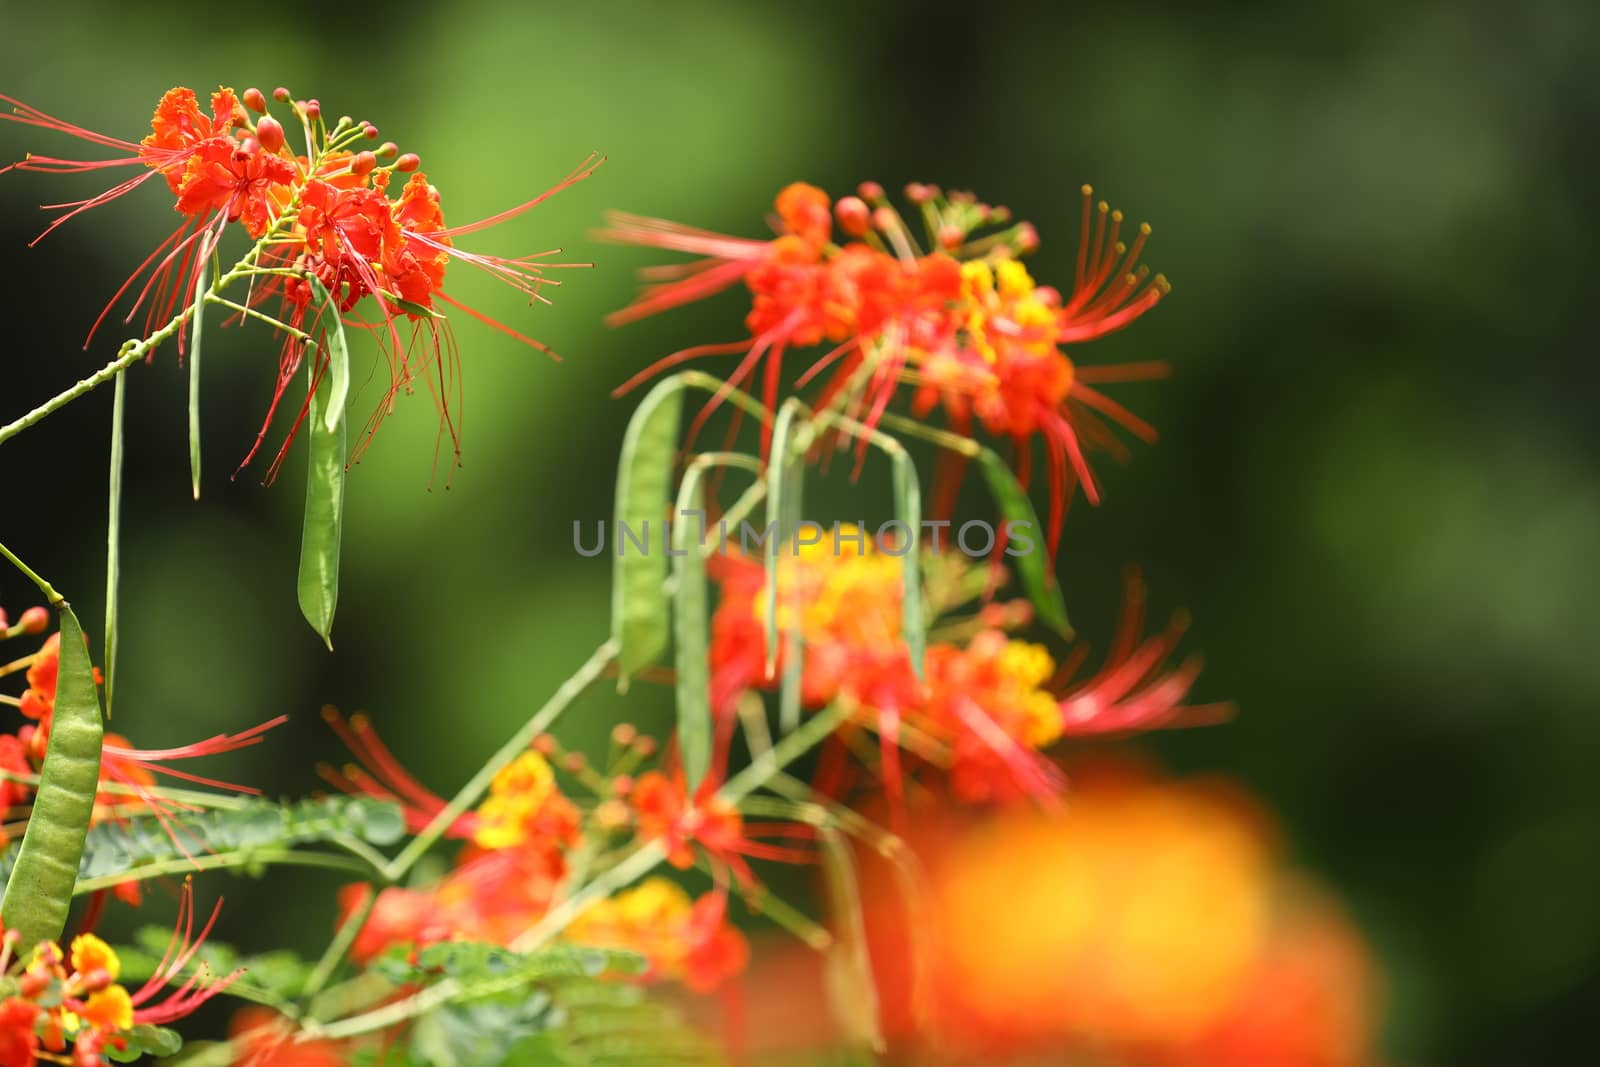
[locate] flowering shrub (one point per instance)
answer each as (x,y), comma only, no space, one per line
(819,679)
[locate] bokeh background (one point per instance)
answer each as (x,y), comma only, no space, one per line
(1376,487)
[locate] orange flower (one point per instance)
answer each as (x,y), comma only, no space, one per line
(179,127)
(19,1037)
(1150,923)
(691,942)
(263,1038)
(664,813)
(963,324)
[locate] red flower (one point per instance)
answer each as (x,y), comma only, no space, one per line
(19,1038)
(663,812)
(240,180)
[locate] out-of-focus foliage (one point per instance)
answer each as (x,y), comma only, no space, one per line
(1376,486)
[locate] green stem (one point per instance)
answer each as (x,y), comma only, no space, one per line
(54,598)
(468,794)
(283,857)
(114,533)
(349,930)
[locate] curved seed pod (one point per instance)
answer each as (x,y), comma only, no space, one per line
(323,528)
(1033,566)
(40,888)
(644,485)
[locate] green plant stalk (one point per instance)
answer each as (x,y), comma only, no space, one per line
(244,857)
(349,930)
(518,742)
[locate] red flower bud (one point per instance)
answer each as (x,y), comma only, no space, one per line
(281,95)
(623,734)
(951,236)
(34,620)
(269,131)
(363,163)
(871,191)
(312,109)
(369,131)
(255,101)
(387,148)
(407,163)
(855,218)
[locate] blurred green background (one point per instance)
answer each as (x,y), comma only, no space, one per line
(1376,487)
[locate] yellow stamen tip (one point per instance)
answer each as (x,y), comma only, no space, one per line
(1088,190)
(1144,228)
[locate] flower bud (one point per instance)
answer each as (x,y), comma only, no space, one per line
(255,101)
(363,163)
(611,814)
(645,746)
(94,981)
(387,148)
(312,109)
(269,131)
(622,785)
(544,744)
(34,620)
(855,218)
(407,163)
(885,219)
(623,734)
(951,236)
(281,95)
(574,763)
(870,191)
(369,131)
(1027,239)
(918,193)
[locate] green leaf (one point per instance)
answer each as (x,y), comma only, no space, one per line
(145,1040)
(111,850)
(908,509)
(644,485)
(847,972)
(41,878)
(338,353)
(323,529)
(481,1033)
(1033,567)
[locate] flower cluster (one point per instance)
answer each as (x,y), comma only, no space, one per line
(1153,923)
(522,840)
(963,325)
(51,998)
(988,703)
(334,206)
(128,775)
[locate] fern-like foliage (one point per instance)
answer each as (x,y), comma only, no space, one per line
(114,848)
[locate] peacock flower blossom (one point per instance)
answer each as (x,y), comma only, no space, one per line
(681,939)
(504,880)
(989,705)
(664,813)
(74,996)
(1151,923)
(963,324)
(328,215)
